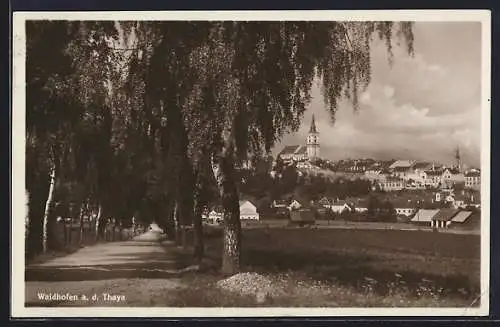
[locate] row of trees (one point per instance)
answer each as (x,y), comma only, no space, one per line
(153,119)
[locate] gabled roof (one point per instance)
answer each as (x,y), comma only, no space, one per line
(445,214)
(324,201)
(301,150)
(434,172)
(473,174)
(462,216)
(289,149)
(424,215)
(402,163)
(244,201)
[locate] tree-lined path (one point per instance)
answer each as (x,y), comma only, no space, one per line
(132,272)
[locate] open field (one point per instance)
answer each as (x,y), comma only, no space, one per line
(408,267)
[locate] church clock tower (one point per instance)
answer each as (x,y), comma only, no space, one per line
(313,141)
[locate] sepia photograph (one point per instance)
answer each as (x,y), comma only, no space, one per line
(286,163)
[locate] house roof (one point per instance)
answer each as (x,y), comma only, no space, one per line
(289,149)
(445,214)
(473,174)
(281,202)
(402,163)
(324,200)
(339,203)
(422,165)
(425,215)
(301,150)
(244,201)
(434,172)
(462,216)
(400,168)
(454,171)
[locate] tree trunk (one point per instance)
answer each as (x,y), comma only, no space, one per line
(82,231)
(98,222)
(49,204)
(198,232)
(26,223)
(225,174)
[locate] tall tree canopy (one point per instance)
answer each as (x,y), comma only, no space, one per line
(177,98)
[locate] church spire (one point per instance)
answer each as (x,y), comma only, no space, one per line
(458,158)
(313,126)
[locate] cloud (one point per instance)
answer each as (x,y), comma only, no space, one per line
(420,108)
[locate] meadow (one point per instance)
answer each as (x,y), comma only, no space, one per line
(363,267)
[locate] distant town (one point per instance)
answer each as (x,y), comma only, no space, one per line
(304,188)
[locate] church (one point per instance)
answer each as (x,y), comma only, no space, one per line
(310,151)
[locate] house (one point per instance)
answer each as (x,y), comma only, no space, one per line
(473,179)
(294,153)
(424,216)
(404,207)
(358,204)
(340,206)
(248,211)
(442,218)
(215,215)
(280,204)
(392,184)
(474,199)
(433,178)
(459,200)
(295,205)
(324,202)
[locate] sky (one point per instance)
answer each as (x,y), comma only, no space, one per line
(421,108)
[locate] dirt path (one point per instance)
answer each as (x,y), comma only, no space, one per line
(138,272)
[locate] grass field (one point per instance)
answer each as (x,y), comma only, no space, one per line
(365,267)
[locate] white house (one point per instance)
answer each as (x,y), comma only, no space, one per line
(340,206)
(473,179)
(215,216)
(248,211)
(294,205)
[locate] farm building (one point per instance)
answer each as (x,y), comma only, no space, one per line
(248,211)
(466,220)
(442,218)
(424,216)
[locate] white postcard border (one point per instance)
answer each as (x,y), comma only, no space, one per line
(18,309)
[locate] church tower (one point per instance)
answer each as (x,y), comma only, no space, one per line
(458,159)
(313,141)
